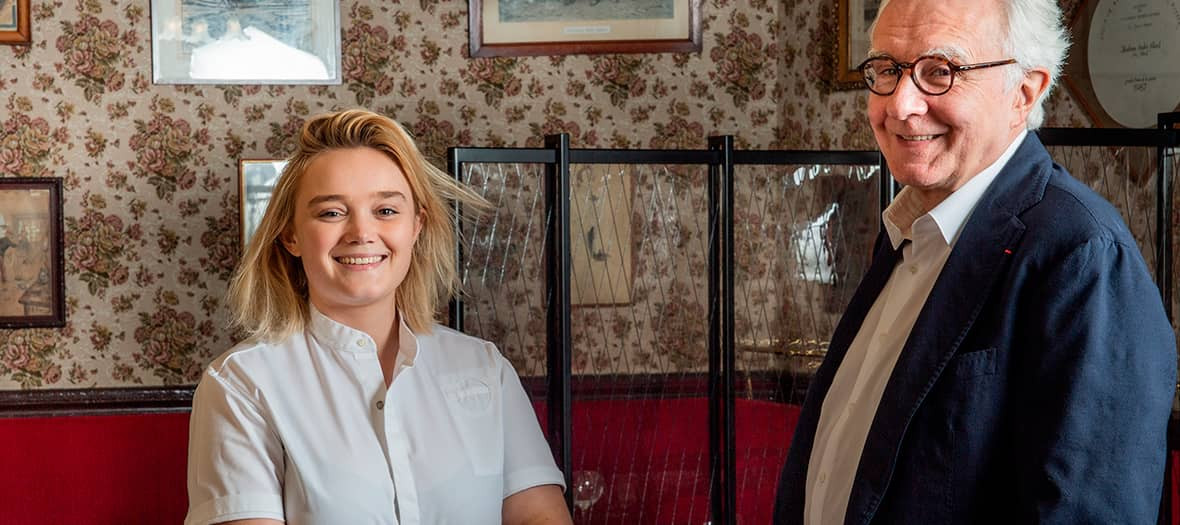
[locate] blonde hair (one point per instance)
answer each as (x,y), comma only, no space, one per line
(268,294)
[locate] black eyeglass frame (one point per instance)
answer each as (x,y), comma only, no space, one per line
(955,70)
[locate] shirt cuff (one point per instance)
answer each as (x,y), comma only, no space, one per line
(236,507)
(532,477)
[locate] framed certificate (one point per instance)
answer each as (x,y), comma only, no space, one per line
(1124,66)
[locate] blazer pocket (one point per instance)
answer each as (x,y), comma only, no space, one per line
(974,364)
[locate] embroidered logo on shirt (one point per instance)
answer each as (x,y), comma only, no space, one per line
(472,394)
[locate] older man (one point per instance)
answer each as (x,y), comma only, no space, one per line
(1007,358)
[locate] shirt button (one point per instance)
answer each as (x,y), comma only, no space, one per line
(380,405)
(823,477)
(913,270)
(360,343)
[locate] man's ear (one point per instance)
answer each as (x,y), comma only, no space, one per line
(1031,87)
(287,238)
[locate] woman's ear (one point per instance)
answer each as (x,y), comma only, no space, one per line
(418,224)
(287,239)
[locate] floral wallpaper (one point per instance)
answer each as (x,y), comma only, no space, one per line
(150,171)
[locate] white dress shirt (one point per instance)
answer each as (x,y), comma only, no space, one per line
(305,431)
(851,403)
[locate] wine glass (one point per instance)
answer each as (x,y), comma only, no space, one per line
(588,487)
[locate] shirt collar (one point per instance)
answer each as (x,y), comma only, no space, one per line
(343,338)
(949,215)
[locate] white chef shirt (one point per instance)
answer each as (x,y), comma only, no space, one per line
(305,431)
(851,402)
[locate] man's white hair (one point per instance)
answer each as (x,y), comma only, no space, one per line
(1036,37)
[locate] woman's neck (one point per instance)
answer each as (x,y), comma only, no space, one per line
(380,322)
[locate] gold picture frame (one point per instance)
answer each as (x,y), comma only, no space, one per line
(852,44)
(15,23)
(565,27)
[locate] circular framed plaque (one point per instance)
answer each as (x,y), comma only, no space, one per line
(1124,66)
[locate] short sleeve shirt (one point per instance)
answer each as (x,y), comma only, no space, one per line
(306,432)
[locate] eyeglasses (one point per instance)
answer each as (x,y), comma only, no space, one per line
(933,75)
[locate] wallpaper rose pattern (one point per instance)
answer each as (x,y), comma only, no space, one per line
(150,171)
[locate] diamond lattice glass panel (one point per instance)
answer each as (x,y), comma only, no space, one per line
(639,245)
(502,270)
(803,237)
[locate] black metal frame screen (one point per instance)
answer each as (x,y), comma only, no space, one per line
(721,159)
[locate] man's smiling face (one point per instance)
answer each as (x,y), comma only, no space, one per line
(936,143)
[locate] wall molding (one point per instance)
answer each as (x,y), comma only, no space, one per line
(769,386)
(95,401)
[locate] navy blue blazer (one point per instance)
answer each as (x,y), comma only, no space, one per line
(1037,382)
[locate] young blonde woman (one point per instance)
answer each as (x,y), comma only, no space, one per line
(347,404)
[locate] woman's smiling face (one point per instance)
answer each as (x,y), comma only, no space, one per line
(354,228)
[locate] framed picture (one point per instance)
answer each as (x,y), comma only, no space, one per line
(256,181)
(600,235)
(15,27)
(245,42)
(565,27)
(1122,68)
(853,40)
(32,277)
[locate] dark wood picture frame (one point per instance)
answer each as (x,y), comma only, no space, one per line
(850,31)
(582,38)
(16,31)
(33,227)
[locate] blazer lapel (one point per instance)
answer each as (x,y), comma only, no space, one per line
(983,250)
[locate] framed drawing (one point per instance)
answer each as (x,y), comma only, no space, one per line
(245,42)
(600,235)
(1122,67)
(565,27)
(15,25)
(853,40)
(256,181)
(32,277)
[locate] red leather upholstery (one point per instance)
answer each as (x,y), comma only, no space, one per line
(653,455)
(93,469)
